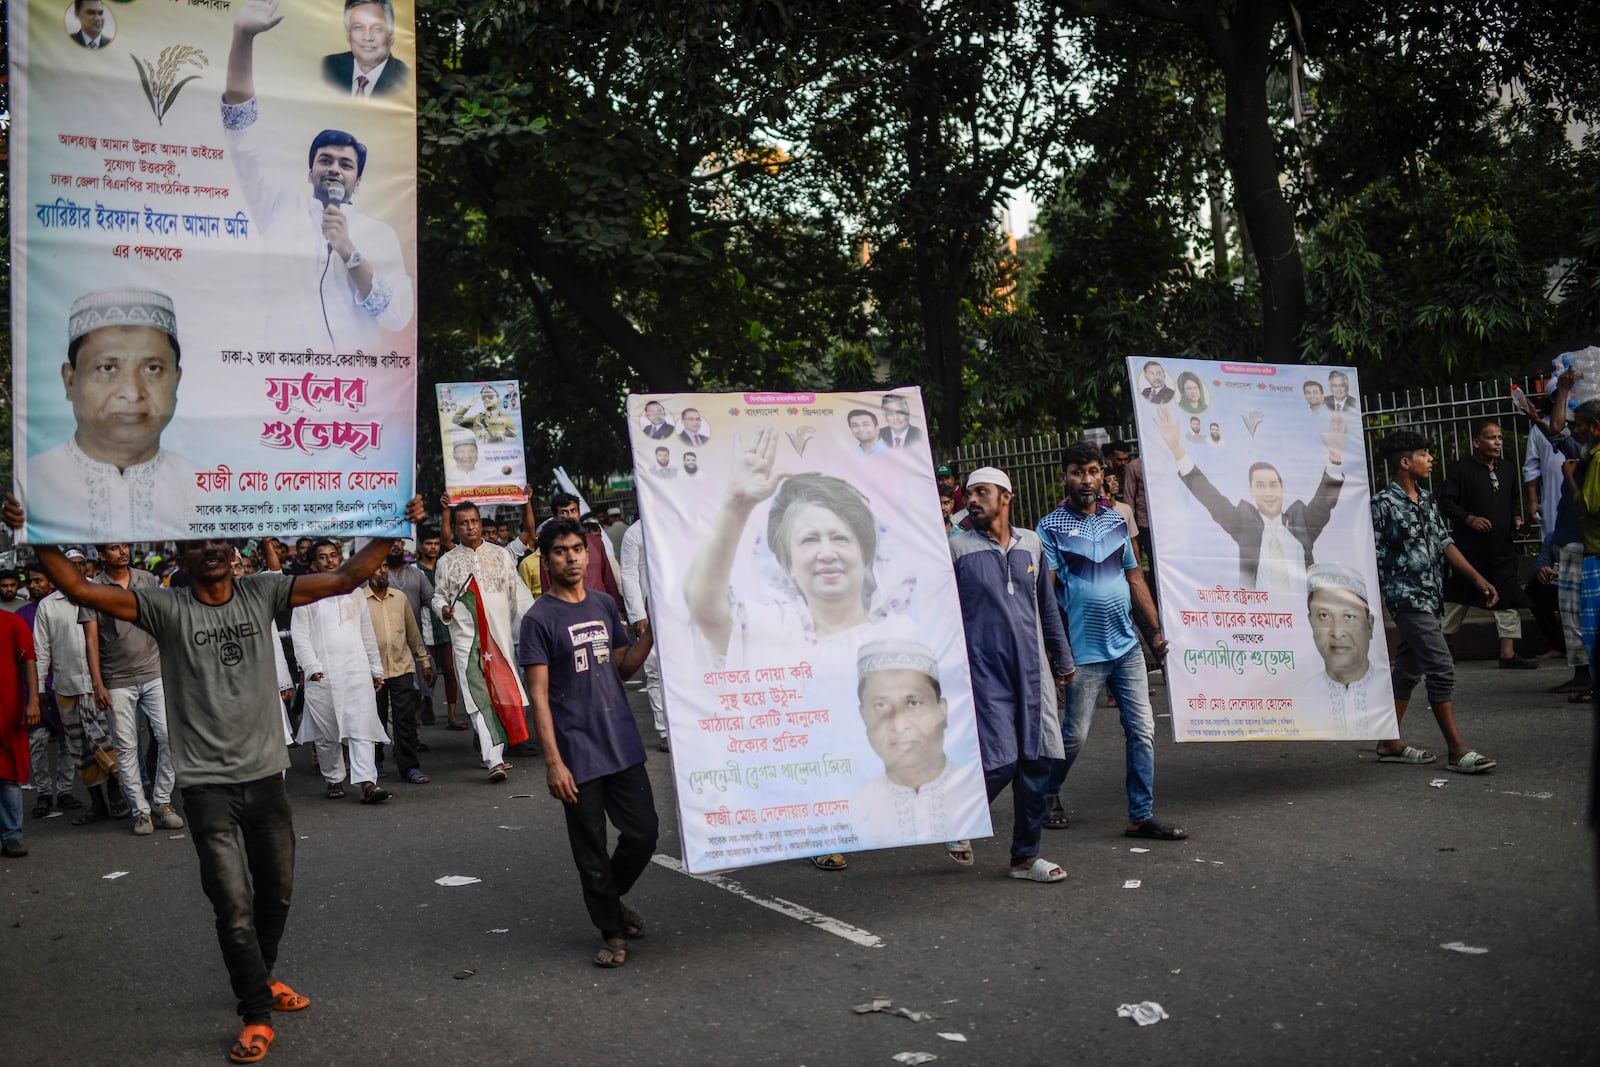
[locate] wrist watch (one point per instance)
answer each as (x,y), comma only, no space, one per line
(355,260)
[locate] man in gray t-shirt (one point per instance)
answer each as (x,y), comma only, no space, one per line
(216,640)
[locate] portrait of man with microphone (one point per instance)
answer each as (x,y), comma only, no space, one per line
(344,276)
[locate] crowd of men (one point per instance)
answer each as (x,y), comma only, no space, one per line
(275,646)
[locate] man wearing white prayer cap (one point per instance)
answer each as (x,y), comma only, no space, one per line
(1345,700)
(112,480)
(905,714)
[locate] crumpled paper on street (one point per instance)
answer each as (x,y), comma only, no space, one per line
(456,879)
(885,1005)
(1145,1013)
(1464,948)
(911,1059)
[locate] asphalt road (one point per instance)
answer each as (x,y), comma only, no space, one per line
(1301,923)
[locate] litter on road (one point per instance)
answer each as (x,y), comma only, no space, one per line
(885,1005)
(1464,948)
(954,1037)
(113,875)
(1132,883)
(1145,1013)
(913,1058)
(456,879)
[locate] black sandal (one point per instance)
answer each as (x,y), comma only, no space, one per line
(634,924)
(1157,831)
(336,792)
(1055,815)
(833,862)
(374,794)
(612,955)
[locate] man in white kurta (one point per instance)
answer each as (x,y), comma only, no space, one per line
(336,648)
(634,575)
(504,599)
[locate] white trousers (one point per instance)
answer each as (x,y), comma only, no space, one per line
(363,760)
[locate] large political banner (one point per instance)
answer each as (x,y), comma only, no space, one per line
(480,426)
(213,220)
(803,602)
(1261,519)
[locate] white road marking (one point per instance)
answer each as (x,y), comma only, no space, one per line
(779,905)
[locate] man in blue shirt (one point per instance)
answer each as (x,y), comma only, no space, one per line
(1014,642)
(575,655)
(1097,582)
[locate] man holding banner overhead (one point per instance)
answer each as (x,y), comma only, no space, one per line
(475,593)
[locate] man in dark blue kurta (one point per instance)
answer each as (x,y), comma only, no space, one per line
(1019,655)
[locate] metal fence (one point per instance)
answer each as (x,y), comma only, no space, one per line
(1443,413)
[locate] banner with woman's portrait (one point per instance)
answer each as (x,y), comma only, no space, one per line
(1260,514)
(804,608)
(213,225)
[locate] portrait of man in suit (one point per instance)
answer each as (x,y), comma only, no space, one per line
(657,426)
(1275,542)
(92,32)
(1339,398)
(370,68)
(899,433)
(692,428)
(1156,390)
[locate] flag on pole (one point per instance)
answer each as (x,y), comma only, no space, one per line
(491,678)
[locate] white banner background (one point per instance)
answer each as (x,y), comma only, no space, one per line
(1244,663)
(769,750)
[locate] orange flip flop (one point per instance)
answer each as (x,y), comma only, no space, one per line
(252,1044)
(286,999)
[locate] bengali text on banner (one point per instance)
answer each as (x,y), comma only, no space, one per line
(213,220)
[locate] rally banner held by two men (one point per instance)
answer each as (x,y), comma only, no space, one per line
(213,221)
(1261,520)
(480,425)
(804,606)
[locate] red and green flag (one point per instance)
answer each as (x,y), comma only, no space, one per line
(491,677)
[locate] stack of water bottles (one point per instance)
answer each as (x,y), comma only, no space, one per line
(1585,362)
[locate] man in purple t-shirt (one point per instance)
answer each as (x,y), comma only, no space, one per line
(575,655)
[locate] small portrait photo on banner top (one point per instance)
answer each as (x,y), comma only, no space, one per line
(657,424)
(1192,396)
(89,24)
(663,467)
(898,431)
(693,429)
(1153,384)
(864,429)
(370,68)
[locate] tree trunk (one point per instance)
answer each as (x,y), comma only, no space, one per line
(1241,49)
(939,272)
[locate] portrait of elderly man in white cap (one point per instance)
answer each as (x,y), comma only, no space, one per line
(1345,699)
(112,480)
(921,794)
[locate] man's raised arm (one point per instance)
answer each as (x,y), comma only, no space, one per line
(111,599)
(309,588)
(255,16)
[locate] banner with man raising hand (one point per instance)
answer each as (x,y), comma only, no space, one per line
(1260,510)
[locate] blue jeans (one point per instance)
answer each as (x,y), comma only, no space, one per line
(10,810)
(1029,780)
(244,838)
(1126,679)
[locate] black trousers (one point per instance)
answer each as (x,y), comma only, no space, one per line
(244,837)
(397,705)
(626,799)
